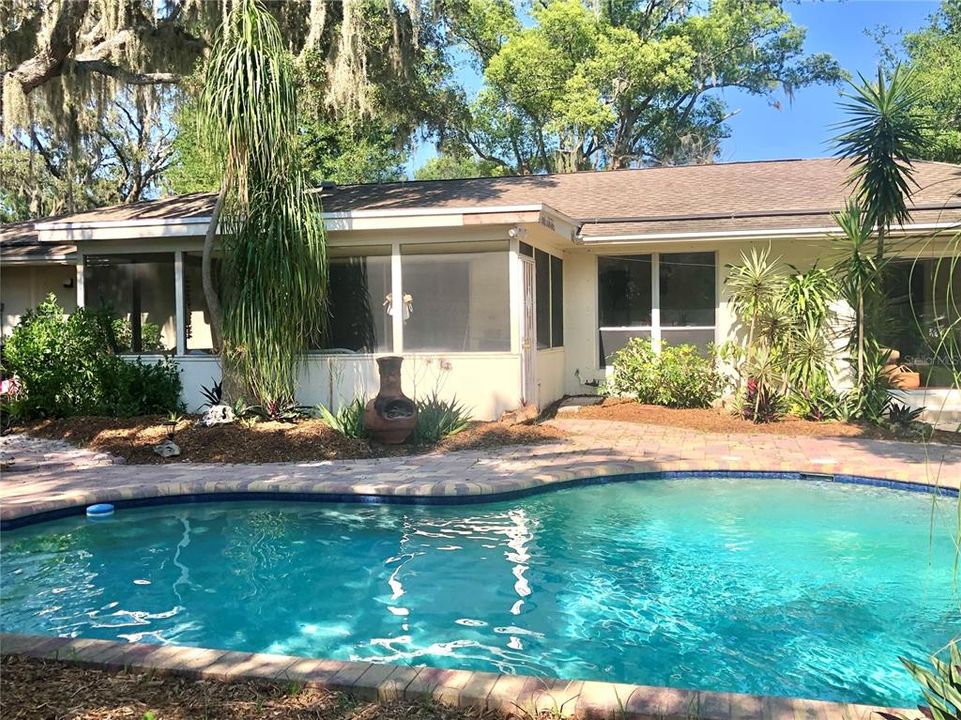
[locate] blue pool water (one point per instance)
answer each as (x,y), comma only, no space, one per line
(767,586)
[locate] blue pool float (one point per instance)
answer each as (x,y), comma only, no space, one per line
(100,510)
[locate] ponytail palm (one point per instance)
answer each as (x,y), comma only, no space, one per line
(273,274)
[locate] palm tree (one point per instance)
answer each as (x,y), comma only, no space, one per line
(881,135)
(274,270)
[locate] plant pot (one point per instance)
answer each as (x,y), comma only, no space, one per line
(391,416)
(902,377)
(890,356)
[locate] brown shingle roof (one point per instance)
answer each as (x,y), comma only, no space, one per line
(19,244)
(742,195)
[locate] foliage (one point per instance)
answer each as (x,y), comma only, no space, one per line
(346,151)
(285,411)
(899,414)
(870,399)
(214,394)
(67,369)
(274,259)
(762,403)
(677,376)
(788,358)
(437,419)
(880,136)
(150,336)
(609,85)
(450,166)
(933,55)
(348,421)
(940,686)
(818,403)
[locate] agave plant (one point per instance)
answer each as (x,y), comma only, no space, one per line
(348,421)
(940,686)
(437,419)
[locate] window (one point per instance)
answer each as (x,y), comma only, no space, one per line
(685,300)
(453,300)
(358,289)
(549,272)
(624,301)
(196,315)
(921,316)
(138,292)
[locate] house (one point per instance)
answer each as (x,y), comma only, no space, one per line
(501,291)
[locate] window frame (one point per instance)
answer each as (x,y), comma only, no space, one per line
(656,327)
(553,293)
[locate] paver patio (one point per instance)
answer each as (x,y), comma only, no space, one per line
(47,476)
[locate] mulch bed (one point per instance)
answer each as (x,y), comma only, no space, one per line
(44,690)
(720,421)
(133,439)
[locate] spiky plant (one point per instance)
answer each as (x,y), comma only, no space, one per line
(755,284)
(857,271)
(274,270)
(881,135)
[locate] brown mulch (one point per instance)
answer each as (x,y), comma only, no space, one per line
(721,421)
(45,690)
(133,439)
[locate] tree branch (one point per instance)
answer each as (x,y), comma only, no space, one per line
(125,75)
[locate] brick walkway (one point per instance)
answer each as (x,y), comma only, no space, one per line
(45,476)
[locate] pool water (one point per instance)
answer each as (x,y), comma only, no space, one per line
(776,587)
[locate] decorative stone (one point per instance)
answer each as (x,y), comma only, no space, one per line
(522,414)
(168,448)
(218,415)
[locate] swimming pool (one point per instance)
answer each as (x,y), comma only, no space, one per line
(775,587)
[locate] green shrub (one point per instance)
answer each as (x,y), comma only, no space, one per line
(437,419)
(67,369)
(348,421)
(151,336)
(679,376)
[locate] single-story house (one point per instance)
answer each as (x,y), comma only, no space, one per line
(501,291)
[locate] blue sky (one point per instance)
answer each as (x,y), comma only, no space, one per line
(800,129)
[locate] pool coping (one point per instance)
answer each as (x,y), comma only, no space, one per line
(16,515)
(516,694)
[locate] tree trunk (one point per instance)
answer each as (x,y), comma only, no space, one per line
(860,339)
(210,292)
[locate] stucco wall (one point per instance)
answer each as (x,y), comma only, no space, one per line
(488,384)
(550,376)
(24,287)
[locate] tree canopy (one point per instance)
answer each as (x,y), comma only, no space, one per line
(619,83)
(933,55)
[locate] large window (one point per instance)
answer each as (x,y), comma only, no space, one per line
(678,309)
(687,298)
(455,301)
(921,316)
(549,277)
(138,291)
(624,301)
(359,302)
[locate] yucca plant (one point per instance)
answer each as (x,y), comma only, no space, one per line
(348,421)
(437,419)
(940,686)
(858,274)
(274,270)
(755,285)
(880,136)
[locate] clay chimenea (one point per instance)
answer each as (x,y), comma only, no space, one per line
(391,416)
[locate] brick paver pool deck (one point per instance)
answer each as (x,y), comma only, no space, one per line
(50,477)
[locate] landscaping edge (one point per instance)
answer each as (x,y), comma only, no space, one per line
(516,694)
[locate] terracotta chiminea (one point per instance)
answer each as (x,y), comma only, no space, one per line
(391,416)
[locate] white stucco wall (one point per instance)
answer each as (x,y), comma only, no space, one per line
(550,376)
(487,383)
(23,287)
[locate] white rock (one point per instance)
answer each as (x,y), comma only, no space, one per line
(166,449)
(218,415)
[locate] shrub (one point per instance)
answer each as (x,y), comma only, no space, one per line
(761,403)
(151,336)
(634,372)
(67,369)
(437,419)
(348,421)
(679,376)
